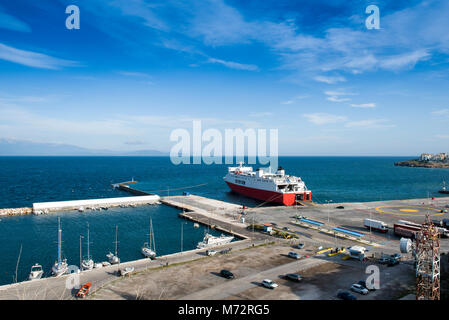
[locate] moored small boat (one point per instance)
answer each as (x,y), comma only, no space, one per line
(84,290)
(36,272)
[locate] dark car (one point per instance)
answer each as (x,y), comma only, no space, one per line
(293,276)
(396,256)
(340,207)
(227,274)
(438,223)
(345,295)
(363,284)
(392,262)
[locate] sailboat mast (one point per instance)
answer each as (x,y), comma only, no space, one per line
(152,242)
(88,253)
(81,256)
(59,239)
(116,239)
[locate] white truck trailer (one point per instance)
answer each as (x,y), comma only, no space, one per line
(375,225)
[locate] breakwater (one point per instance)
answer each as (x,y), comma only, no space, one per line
(15,211)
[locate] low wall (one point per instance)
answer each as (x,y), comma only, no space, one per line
(107,202)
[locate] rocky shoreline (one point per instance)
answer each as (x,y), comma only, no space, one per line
(423,164)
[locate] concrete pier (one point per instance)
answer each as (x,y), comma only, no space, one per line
(106,202)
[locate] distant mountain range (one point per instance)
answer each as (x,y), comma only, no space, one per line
(9,147)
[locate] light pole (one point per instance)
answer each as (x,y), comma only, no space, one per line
(328,210)
(182,231)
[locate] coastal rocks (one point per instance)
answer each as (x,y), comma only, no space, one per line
(423,164)
(15,211)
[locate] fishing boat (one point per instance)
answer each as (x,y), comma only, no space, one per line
(87,263)
(83,290)
(36,272)
(210,241)
(444,190)
(60,267)
(149,248)
(113,258)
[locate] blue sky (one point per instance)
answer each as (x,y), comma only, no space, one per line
(138,69)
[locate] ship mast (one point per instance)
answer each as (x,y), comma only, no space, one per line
(88,251)
(116,239)
(59,240)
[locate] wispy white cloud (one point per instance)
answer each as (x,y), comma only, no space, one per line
(234,65)
(337,99)
(338,96)
(324,118)
(12,23)
(134,74)
(260,114)
(363,105)
(329,80)
(370,123)
(33,59)
(442,112)
(294,99)
(442,136)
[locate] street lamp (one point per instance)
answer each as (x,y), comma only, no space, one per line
(328,209)
(182,228)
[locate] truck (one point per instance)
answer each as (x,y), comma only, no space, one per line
(375,225)
(444,233)
(357,252)
(405,230)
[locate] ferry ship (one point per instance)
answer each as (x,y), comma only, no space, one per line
(266,186)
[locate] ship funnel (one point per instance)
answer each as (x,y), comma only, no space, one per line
(280,171)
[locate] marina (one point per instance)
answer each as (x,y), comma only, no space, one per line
(185,227)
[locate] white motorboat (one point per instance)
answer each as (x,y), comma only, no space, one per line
(60,267)
(210,241)
(148,249)
(36,272)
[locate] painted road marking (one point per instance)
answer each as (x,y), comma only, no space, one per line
(412,212)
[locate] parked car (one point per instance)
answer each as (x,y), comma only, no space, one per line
(345,295)
(392,262)
(396,256)
(363,284)
(384,260)
(438,223)
(294,255)
(211,252)
(293,276)
(359,289)
(269,283)
(286,228)
(227,274)
(300,245)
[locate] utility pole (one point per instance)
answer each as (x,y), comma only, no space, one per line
(328,210)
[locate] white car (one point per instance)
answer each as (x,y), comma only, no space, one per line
(359,289)
(294,255)
(269,284)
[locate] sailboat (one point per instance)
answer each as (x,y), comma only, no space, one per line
(87,263)
(60,267)
(148,249)
(113,258)
(36,272)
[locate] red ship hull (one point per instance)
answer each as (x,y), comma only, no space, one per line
(287,199)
